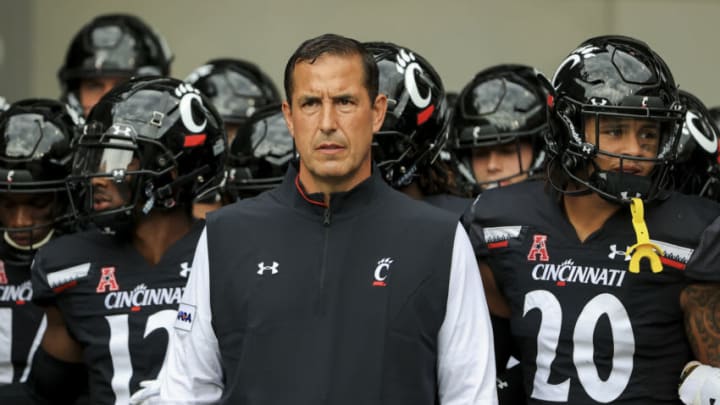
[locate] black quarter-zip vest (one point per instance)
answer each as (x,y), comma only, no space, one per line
(340,304)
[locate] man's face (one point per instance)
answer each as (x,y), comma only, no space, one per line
(626,136)
(27,210)
(92,89)
(332,120)
(108,194)
(502,163)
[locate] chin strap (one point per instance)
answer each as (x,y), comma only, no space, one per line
(30,247)
(643,249)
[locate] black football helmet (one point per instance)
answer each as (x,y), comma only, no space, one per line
(35,158)
(697,170)
(158,139)
(113,45)
(612,76)
(418,116)
(259,154)
(502,104)
(235,87)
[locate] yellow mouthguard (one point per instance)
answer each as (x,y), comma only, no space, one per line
(643,248)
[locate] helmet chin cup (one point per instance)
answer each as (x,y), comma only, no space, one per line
(620,187)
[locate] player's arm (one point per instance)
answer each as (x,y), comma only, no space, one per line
(701,306)
(466,361)
(496,301)
(57,375)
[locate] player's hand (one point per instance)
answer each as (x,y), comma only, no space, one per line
(148,394)
(700,384)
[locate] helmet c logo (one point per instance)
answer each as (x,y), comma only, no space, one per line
(186,113)
(708,142)
(411,86)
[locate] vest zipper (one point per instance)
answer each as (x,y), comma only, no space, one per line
(326,225)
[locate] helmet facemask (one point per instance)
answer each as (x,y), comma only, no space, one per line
(118,177)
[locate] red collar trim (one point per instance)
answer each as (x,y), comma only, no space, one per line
(304,196)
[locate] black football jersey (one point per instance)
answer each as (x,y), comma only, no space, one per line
(589,330)
(22,323)
(116,305)
(449,202)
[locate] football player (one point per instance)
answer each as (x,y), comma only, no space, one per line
(697,169)
(601,271)
(499,122)
(35,159)
(236,88)
(107,51)
(259,155)
(698,172)
(406,149)
(111,293)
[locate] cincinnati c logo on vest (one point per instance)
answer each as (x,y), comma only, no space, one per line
(381,272)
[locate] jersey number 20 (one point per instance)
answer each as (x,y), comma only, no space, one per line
(600,390)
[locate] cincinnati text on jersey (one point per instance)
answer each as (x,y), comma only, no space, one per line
(141,296)
(20,293)
(569,272)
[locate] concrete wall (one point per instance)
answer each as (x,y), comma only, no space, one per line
(459,37)
(17,40)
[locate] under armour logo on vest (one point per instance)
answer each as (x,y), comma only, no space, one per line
(263,268)
(538,248)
